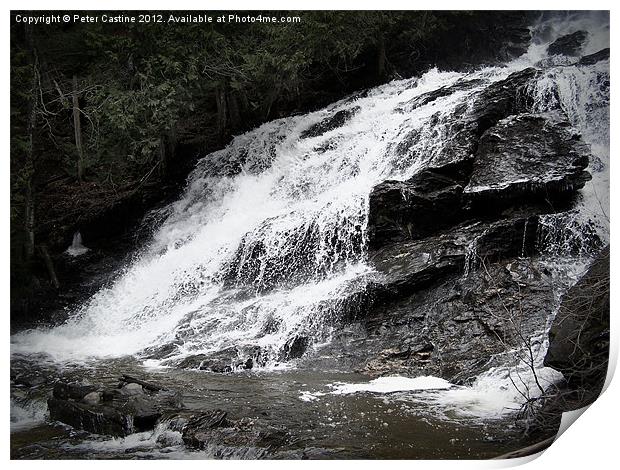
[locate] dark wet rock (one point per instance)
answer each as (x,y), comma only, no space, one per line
(29,381)
(110,395)
(467,123)
(528,157)
(569,45)
(405,267)
(330,123)
(501,99)
(418,207)
(434,95)
(592,59)
(145,413)
(116,412)
(201,362)
(452,328)
(95,419)
(579,335)
(223,361)
(296,347)
(214,430)
(169,439)
(75,391)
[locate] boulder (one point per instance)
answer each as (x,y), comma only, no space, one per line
(569,45)
(132,389)
(143,412)
(92,398)
(295,347)
(95,419)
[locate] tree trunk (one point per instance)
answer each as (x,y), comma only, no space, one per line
(381,58)
(233,111)
(78,130)
(29,218)
(49,264)
(222,110)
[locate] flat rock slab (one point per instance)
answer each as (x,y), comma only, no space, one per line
(528,156)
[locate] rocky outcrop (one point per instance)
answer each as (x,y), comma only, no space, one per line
(405,267)
(224,361)
(569,45)
(330,123)
(528,157)
(500,157)
(592,59)
(410,209)
(134,406)
(579,336)
(453,327)
(457,279)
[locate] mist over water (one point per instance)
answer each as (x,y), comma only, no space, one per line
(270,234)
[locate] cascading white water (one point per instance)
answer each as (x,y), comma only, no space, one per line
(270,233)
(77,248)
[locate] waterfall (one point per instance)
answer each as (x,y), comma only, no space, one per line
(270,234)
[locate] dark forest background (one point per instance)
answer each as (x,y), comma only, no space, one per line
(108,119)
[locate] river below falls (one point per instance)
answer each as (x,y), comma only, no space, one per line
(323,424)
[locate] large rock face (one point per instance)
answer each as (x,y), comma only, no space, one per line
(455,249)
(579,336)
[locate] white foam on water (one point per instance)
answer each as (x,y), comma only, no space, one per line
(393,384)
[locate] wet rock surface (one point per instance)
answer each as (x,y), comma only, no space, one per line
(225,361)
(418,207)
(500,156)
(330,123)
(579,335)
(129,408)
(568,45)
(215,429)
(592,59)
(528,157)
(459,276)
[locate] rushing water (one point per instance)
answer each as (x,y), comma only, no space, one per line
(270,233)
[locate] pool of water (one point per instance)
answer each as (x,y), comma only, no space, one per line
(325,416)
